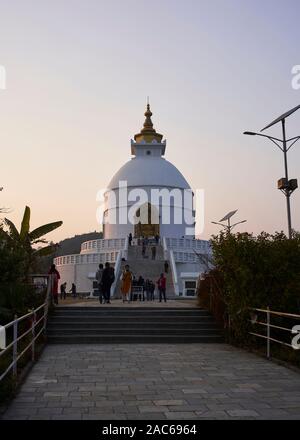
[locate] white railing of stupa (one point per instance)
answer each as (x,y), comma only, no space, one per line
(202,246)
(184,257)
(94,246)
(165,248)
(174,272)
(185,250)
(122,254)
(117,273)
(125,250)
(97,258)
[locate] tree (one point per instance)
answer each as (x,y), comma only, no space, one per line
(27,240)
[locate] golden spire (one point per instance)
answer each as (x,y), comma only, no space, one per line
(148,133)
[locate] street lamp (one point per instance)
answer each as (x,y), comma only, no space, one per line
(284,184)
(228,227)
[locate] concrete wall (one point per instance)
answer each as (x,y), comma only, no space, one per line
(193,268)
(78,274)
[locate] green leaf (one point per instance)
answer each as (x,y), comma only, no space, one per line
(25,223)
(12,229)
(43,252)
(45,229)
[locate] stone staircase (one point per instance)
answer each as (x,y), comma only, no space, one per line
(147,268)
(100,325)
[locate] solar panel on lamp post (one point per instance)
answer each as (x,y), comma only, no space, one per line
(228,227)
(285,185)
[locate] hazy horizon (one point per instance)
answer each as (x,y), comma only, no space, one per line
(77,78)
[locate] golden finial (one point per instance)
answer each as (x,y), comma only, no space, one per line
(148,133)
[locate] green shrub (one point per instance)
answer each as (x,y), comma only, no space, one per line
(256,272)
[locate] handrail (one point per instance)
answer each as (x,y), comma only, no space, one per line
(125,250)
(6,326)
(290,315)
(174,272)
(17,338)
(270,326)
(117,272)
(165,249)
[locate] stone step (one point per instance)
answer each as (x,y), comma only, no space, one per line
(53,331)
(126,308)
(134,339)
(132,325)
(129,324)
(147,268)
(136,312)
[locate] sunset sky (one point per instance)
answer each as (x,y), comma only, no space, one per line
(78,76)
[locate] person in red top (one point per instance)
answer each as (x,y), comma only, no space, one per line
(161,283)
(55,277)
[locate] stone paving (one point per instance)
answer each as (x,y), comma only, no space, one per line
(164,382)
(177,303)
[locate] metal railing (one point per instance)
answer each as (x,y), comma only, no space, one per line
(268,325)
(165,249)
(174,272)
(188,243)
(32,330)
(137,291)
(87,258)
(117,270)
(102,244)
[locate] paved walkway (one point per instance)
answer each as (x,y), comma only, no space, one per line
(193,381)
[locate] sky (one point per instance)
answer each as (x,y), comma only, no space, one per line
(78,74)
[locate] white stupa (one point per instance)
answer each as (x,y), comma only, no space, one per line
(147,197)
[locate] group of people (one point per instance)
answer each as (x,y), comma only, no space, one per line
(143,240)
(105,277)
(128,282)
(63,291)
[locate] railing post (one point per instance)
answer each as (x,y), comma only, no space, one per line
(45,312)
(15,346)
(268,332)
(33,321)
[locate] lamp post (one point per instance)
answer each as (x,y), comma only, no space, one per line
(228,227)
(286,186)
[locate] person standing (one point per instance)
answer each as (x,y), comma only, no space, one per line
(130,239)
(141,283)
(73,290)
(54,280)
(152,290)
(148,289)
(126,280)
(63,292)
(108,277)
(166,267)
(99,275)
(153,250)
(144,248)
(162,282)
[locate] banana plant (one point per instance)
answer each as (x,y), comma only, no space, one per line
(27,239)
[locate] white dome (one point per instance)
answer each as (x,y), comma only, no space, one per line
(146,171)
